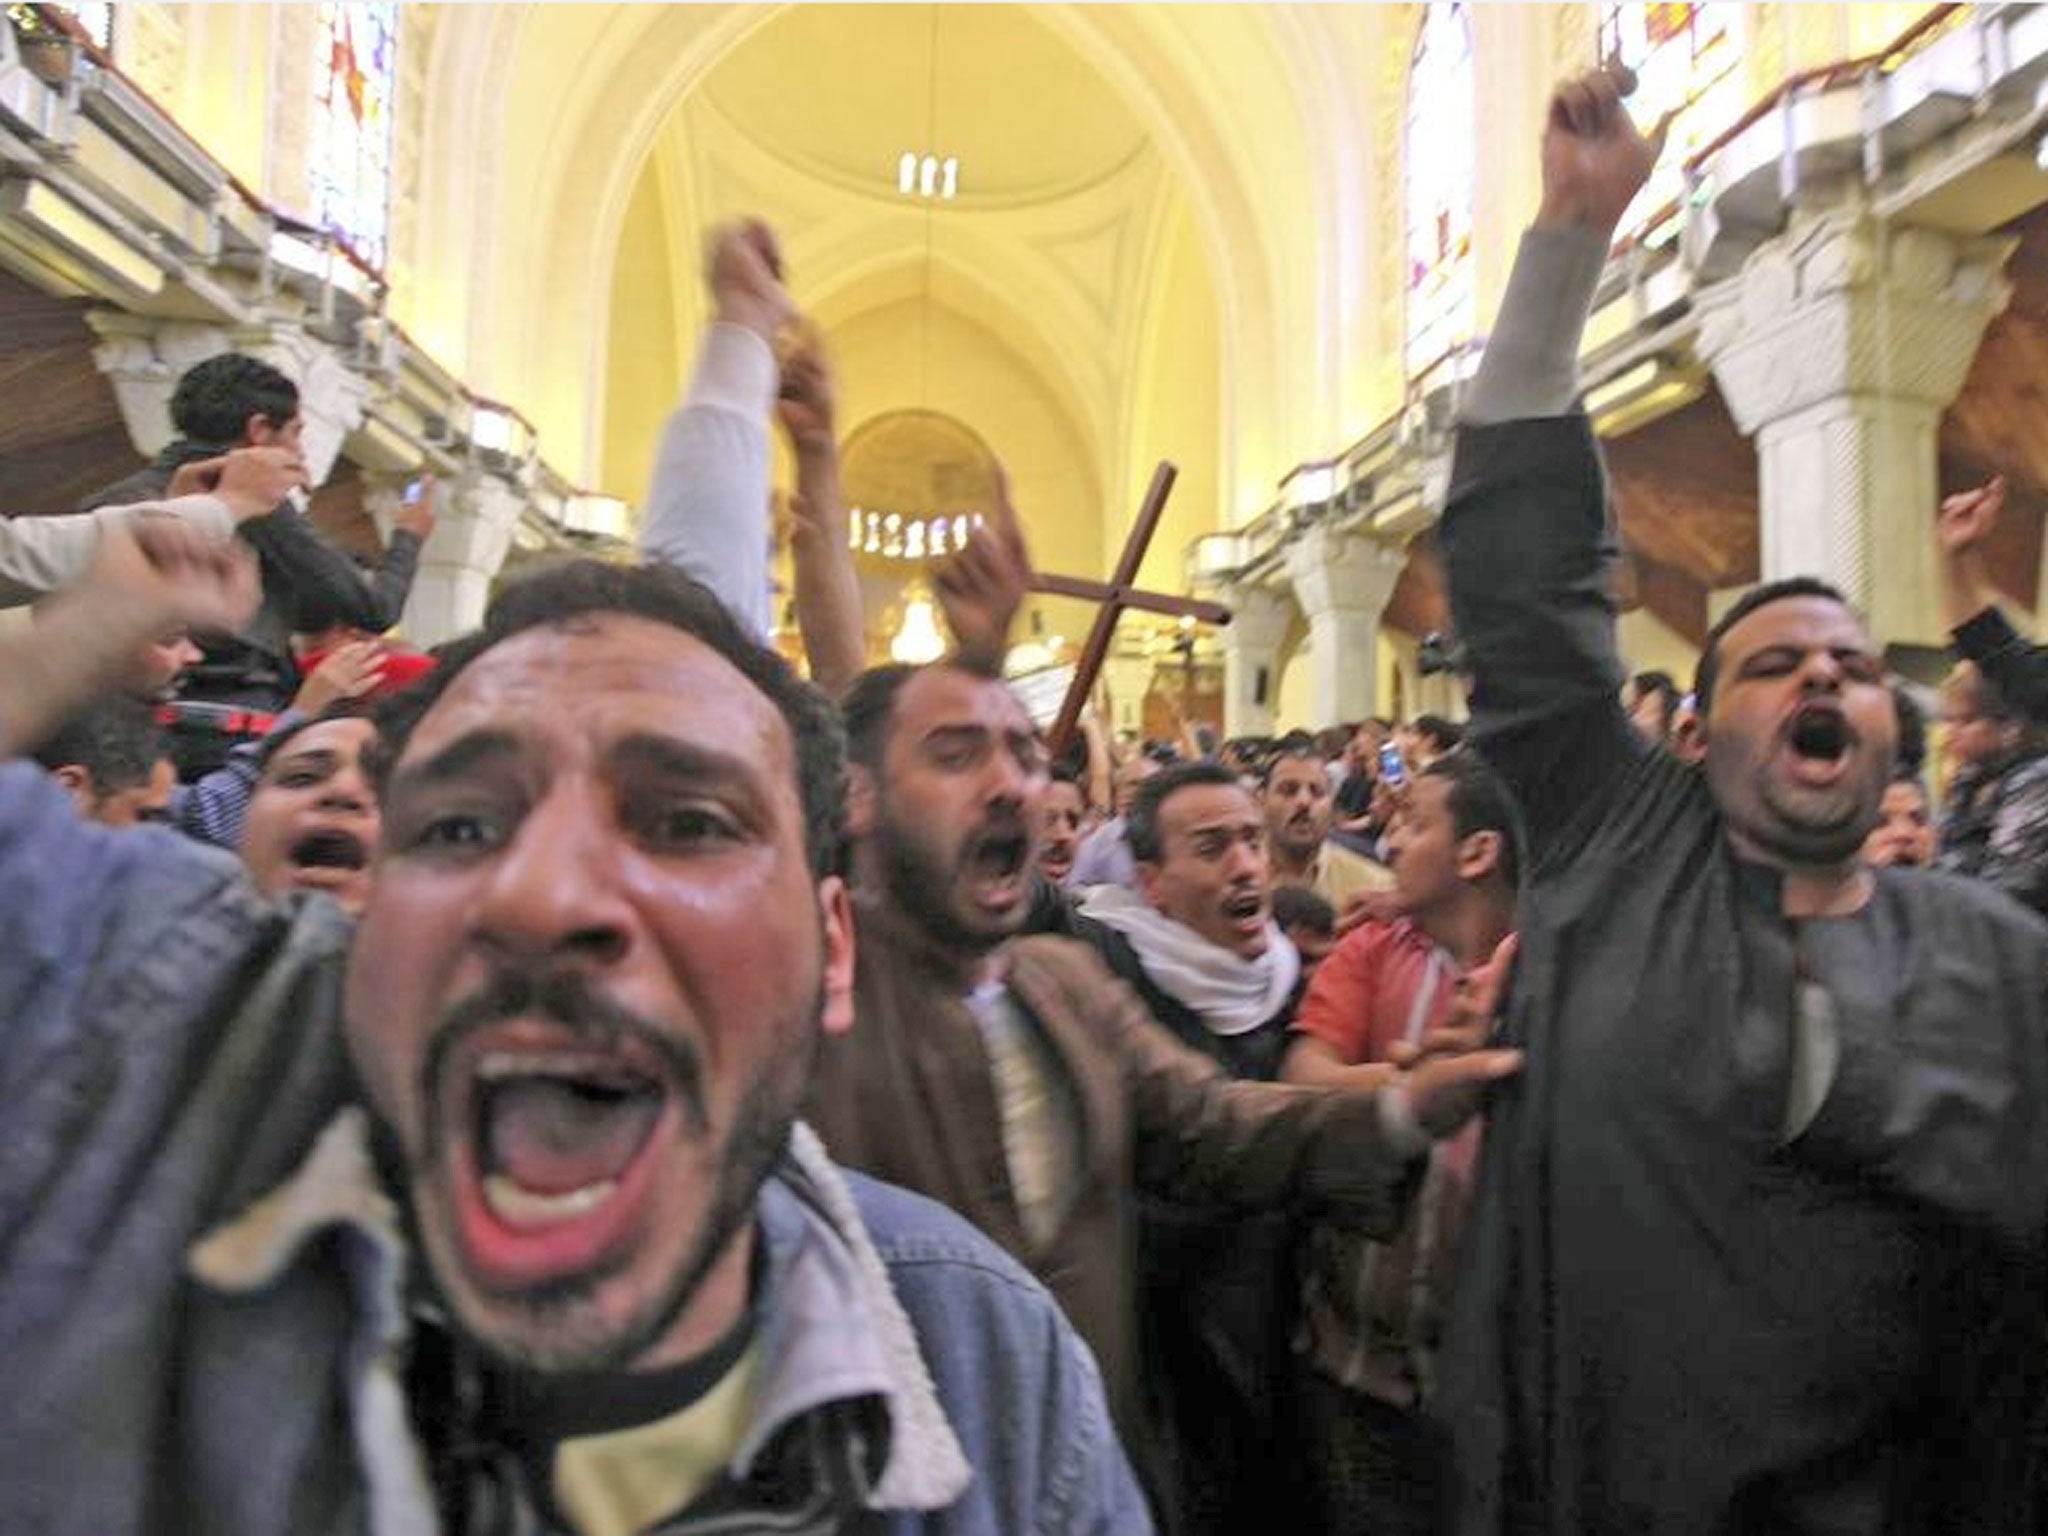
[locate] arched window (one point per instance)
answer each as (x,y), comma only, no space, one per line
(1685,59)
(355,81)
(1438,169)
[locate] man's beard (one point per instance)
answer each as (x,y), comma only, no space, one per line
(555,1327)
(918,884)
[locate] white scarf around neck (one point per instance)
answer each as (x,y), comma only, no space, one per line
(1230,993)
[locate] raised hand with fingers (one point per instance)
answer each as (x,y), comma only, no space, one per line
(415,513)
(165,574)
(250,482)
(1447,1073)
(743,265)
(1966,519)
(1595,160)
(346,672)
(982,587)
(806,404)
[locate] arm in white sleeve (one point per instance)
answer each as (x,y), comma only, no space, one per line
(707,508)
(47,554)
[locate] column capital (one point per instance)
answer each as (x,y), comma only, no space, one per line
(1843,304)
(1343,573)
(1259,616)
(144,357)
(473,528)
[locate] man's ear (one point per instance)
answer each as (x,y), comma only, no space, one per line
(862,801)
(835,913)
(1148,881)
(1478,856)
(78,785)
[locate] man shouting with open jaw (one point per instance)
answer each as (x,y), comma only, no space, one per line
(1759,1236)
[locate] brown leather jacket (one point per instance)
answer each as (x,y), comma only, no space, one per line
(907,1096)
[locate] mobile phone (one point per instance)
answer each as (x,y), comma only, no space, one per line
(413,488)
(1393,771)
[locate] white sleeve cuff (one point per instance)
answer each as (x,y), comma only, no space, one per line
(736,371)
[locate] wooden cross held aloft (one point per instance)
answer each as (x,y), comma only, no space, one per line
(1116,595)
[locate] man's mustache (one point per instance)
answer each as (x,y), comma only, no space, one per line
(565,998)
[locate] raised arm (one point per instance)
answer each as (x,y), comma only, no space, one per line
(828,606)
(983,585)
(1206,1138)
(707,505)
(1527,536)
(1982,632)
(48,554)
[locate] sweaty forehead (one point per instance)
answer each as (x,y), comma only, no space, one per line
(602,677)
(939,698)
(1195,807)
(346,737)
(1810,623)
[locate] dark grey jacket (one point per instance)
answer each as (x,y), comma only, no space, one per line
(308,584)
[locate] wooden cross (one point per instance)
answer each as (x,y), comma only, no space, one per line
(1116,595)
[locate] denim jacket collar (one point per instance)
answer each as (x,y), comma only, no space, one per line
(832,1328)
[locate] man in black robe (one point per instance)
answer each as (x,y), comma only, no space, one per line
(1759,1237)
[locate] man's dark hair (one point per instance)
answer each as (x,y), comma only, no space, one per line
(1479,801)
(1661,684)
(1141,824)
(215,399)
(869,708)
(116,740)
(1755,598)
(561,595)
(1291,750)
(284,736)
(1296,906)
(1445,734)
(1062,773)
(1911,755)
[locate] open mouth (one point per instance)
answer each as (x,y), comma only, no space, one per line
(1245,909)
(1819,741)
(553,1157)
(329,848)
(996,865)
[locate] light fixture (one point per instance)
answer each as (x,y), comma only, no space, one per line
(917,639)
(492,428)
(927,176)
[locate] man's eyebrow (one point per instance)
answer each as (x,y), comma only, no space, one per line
(682,759)
(464,755)
(322,758)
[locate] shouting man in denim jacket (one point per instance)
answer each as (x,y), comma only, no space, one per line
(561,1066)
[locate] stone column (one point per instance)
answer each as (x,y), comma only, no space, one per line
(1343,582)
(472,534)
(1259,617)
(1837,347)
(143,359)
(1130,679)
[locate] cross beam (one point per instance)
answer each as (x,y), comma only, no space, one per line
(1116,595)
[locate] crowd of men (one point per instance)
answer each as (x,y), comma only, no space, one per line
(593,1080)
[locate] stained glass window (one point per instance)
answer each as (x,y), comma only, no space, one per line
(1442,108)
(1685,59)
(355,74)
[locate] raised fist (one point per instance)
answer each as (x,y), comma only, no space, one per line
(1595,160)
(743,265)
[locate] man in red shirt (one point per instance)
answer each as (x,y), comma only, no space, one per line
(1372,1313)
